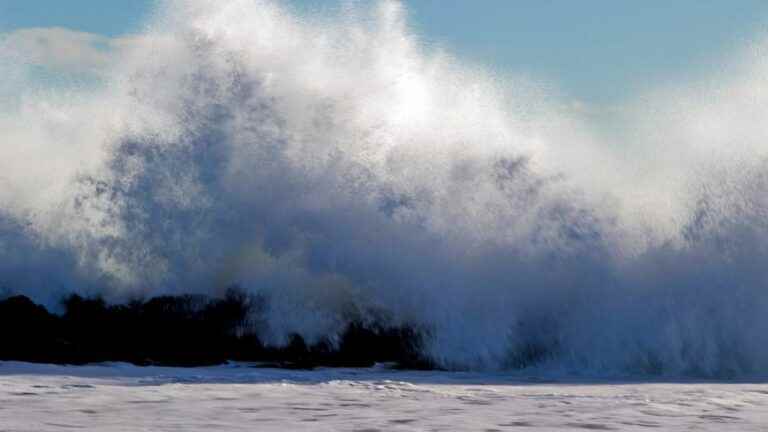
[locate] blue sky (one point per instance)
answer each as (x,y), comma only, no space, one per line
(597,51)
(109,18)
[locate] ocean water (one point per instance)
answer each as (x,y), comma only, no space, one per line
(119,397)
(341,170)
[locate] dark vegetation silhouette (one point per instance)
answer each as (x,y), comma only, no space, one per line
(188,330)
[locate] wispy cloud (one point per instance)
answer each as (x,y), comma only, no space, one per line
(61,49)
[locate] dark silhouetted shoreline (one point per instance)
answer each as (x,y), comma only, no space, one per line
(188,330)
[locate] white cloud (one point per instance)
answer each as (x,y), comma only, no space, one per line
(61,49)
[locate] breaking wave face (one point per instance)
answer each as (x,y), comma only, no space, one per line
(344,172)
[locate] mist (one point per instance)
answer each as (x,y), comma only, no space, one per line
(344,172)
